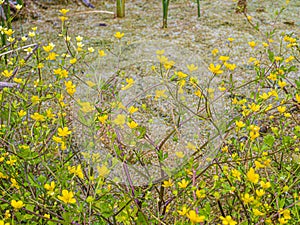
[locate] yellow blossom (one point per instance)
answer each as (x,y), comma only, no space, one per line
(252,44)
(167,183)
(17,204)
(227,220)
(160,52)
(73,61)
(237,174)
(179,154)
(230,39)
(63,132)
(240,124)
(281,109)
(215,69)
(256,212)
(101,53)
(86,107)
(200,193)
(224,58)
(103,118)
(215,51)
(265,185)
(22,113)
(194,218)
(7,73)
(192,67)
(76,170)
(120,120)
(252,176)
(103,171)
(297,97)
(67,197)
(183,184)
(183,211)
(160,93)
(132,124)
(247,198)
(38,117)
(64,11)
(129,82)
(260,192)
(119,35)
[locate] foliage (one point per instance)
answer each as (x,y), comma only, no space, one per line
(240,167)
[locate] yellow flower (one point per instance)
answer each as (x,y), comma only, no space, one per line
(67,197)
(73,61)
(236,174)
(160,93)
(38,117)
(278,58)
(103,171)
(200,193)
(214,51)
(183,211)
(181,75)
(63,132)
(119,35)
(282,220)
(49,47)
(52,56)
(227,220)
(230,39)
(91,49)
(103,118)
(230,66)
(31,34)
(64,11)
(132,124)
(240,124)
(224,58)
(215,69)
(132,109)
(265,185)
(17,204)
(160,52)
(183,184)
(252,176)
(297,97)
(22,113)
(256,212)
(290,58)
(7,73)
(162,59)
(120,120)
(281,109)
(194,218)
(9,32)
(252,44)
(179,154)
(101,53)
(254,107)
(247,198)
(167,183)
(192,67)
(76,170)
(129,82)
(260,192)
(50,188)
(86,107)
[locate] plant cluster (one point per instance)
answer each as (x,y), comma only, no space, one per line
(66,135)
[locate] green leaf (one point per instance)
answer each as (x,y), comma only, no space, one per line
(269,140)
(271,55)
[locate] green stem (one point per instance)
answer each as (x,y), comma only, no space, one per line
(120,8)
(198,7)
(165,4)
